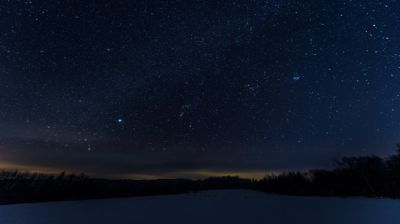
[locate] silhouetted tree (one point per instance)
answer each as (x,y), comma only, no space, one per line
(370,176)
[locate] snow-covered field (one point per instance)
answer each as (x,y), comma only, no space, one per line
(230,207)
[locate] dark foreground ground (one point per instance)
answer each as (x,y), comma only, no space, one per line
(223,206)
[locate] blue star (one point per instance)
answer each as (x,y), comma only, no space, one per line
(119,120)
(296,77)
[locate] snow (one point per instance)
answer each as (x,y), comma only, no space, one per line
(229,206)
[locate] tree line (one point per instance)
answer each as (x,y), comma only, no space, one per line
(369,176)
(17,187)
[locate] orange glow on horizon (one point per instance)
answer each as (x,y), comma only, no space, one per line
(188,174)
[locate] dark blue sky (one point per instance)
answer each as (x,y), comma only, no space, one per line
(191,88)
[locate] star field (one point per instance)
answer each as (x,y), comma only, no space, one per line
(178,88)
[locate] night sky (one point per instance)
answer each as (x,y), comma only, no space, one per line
(150,89)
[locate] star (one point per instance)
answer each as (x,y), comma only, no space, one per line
(296,77)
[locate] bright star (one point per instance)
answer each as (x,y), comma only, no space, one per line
(296,77)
